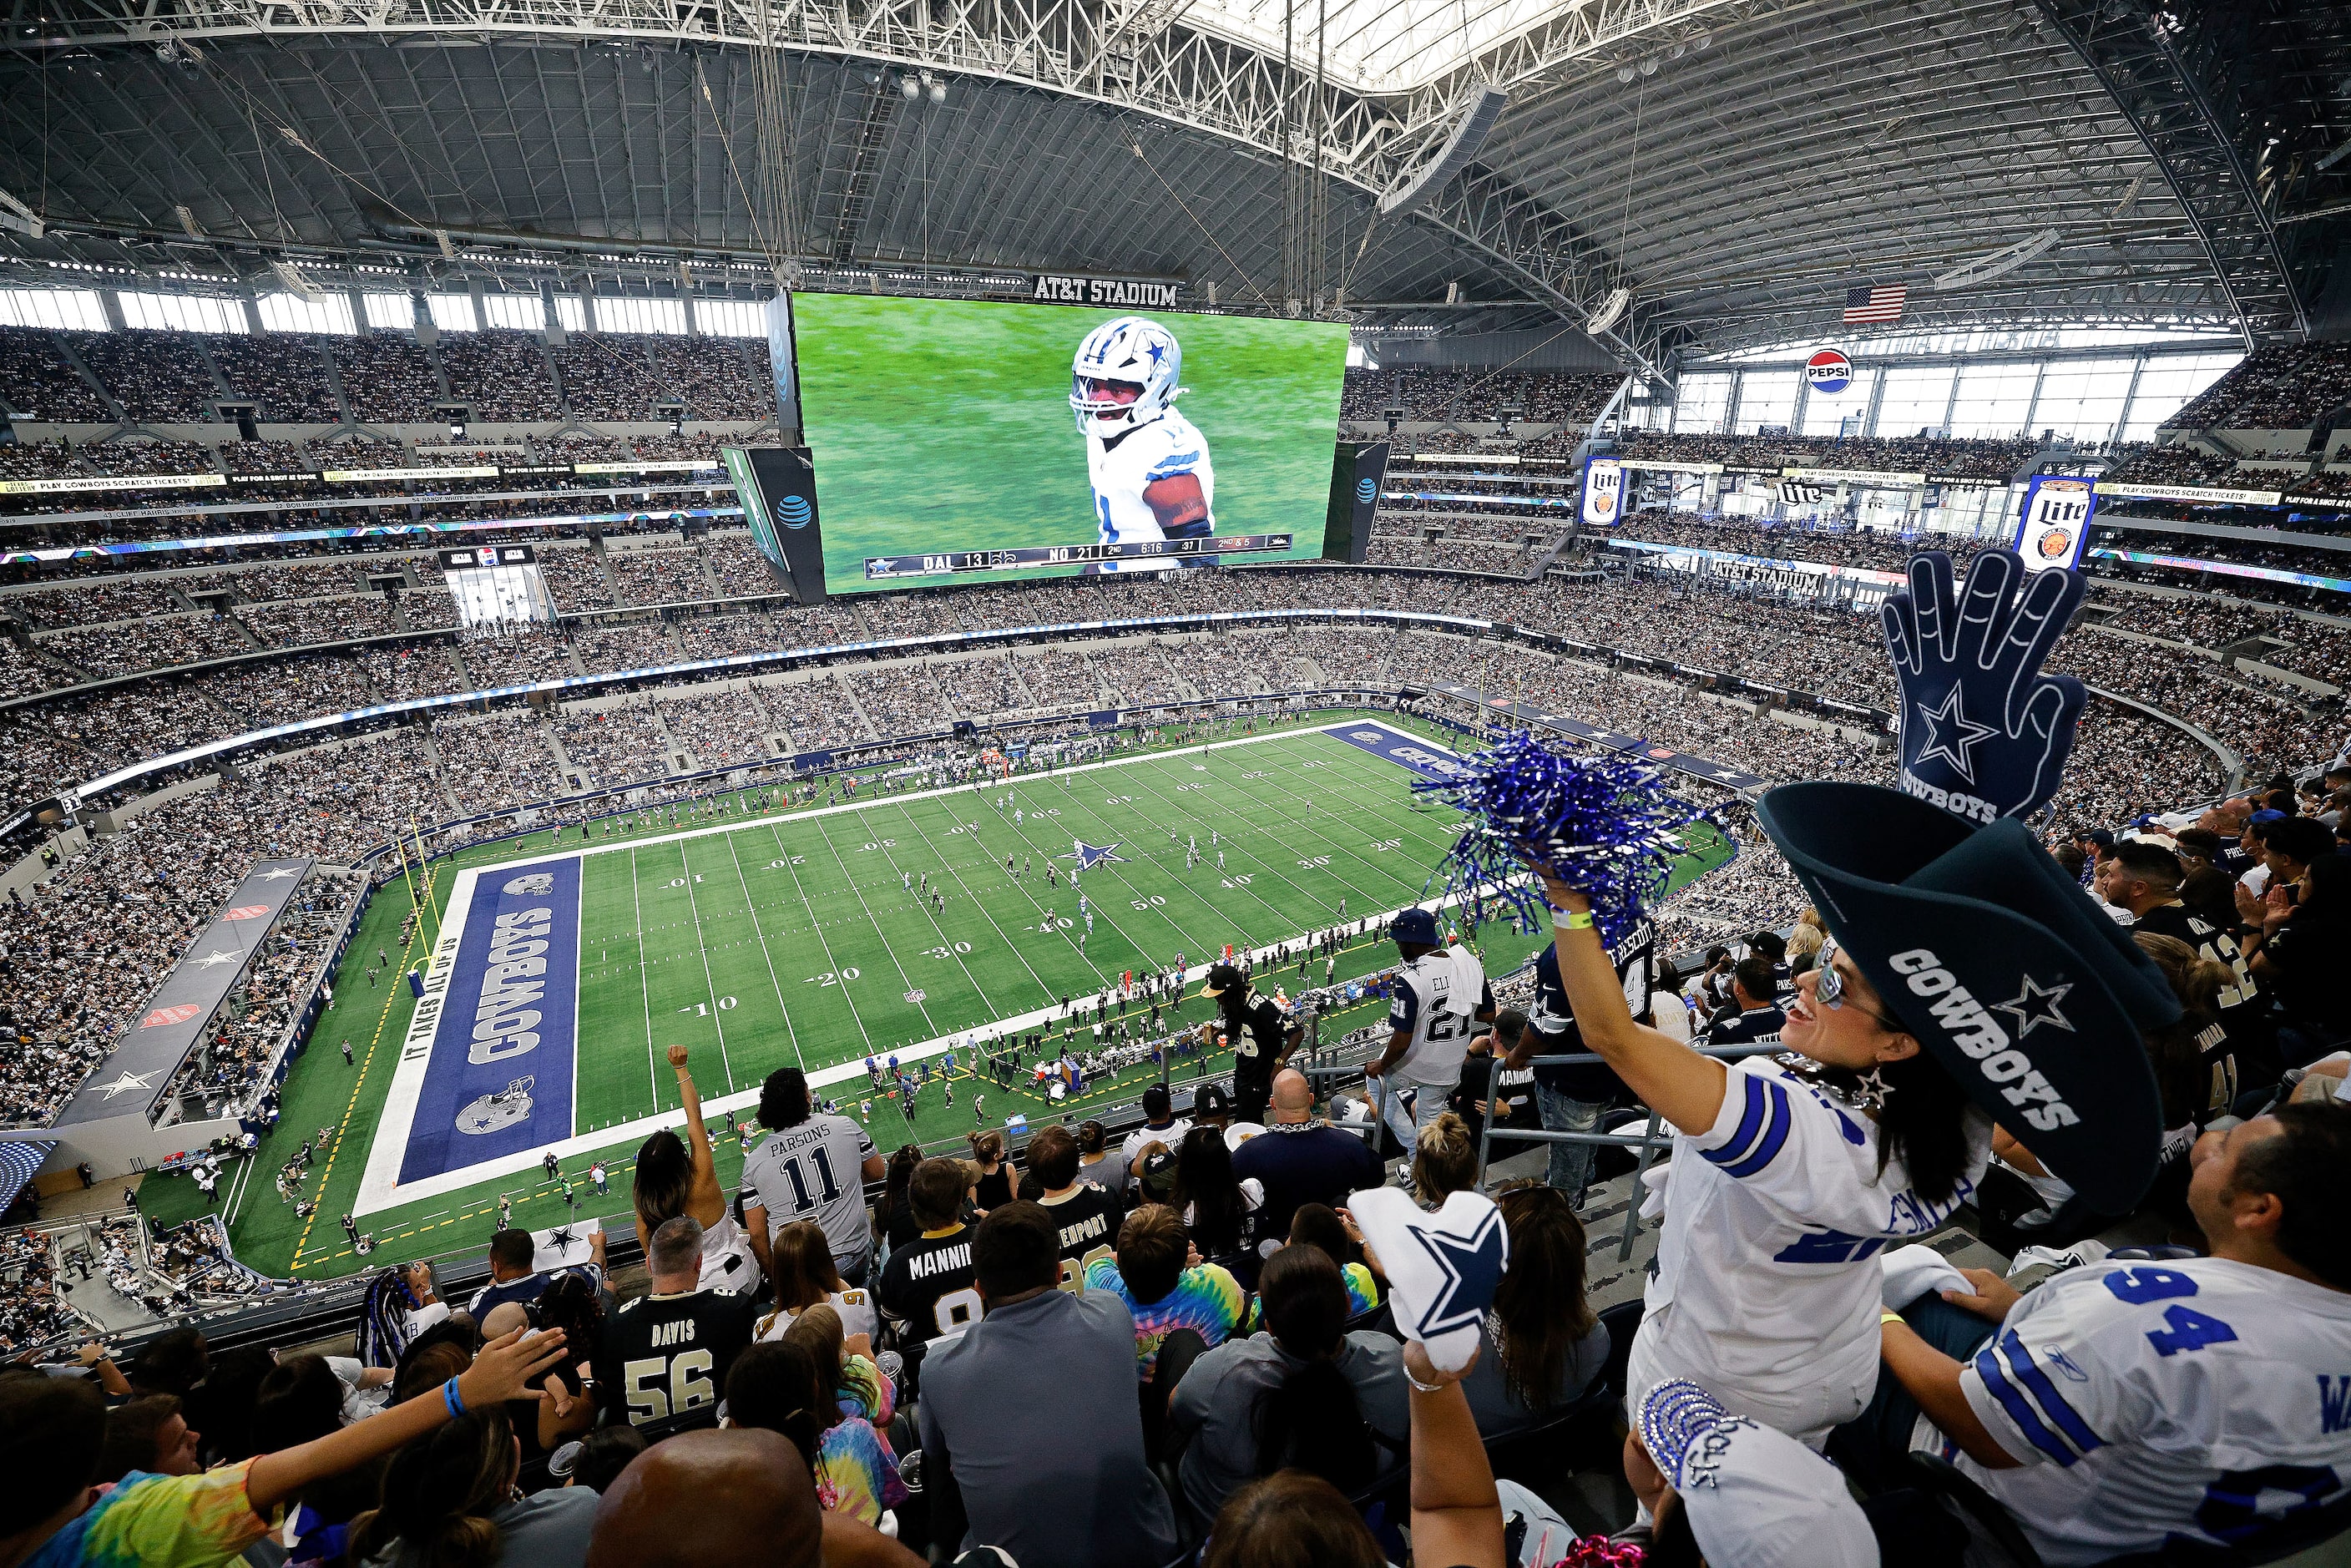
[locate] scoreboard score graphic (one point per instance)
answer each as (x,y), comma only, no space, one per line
(1171,552)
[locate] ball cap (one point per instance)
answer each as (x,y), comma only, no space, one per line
(1223,978)
(1211,1100)
(2002,966)
(1414,925)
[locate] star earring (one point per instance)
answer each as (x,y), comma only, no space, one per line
(1875,1091)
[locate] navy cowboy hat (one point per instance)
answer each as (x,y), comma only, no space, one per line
(2000,966)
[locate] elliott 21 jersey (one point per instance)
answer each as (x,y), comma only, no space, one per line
(1122,465)
(1438,997)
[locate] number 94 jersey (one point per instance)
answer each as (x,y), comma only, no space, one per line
(2200,1399)
(1125,463)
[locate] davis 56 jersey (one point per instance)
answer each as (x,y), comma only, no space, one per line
(1123,465)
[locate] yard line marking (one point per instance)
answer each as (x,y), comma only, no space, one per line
(916,825)
(775,832)
(1264,865)
(923,904)
(751,907)
(644,975)
(694,906)
(905,980)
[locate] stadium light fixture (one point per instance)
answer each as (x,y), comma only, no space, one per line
(2000,263)
(1612,311)
(1625,75)
(909,88)
(1469,133)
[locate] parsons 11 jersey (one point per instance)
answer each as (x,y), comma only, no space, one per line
(1122,464)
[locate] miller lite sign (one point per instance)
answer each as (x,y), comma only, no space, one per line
(2056,522)
(1603,492)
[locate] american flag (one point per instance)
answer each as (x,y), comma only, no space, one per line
(1863,303)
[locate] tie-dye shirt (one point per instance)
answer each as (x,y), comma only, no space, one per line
(1206,1299)
(1363,1296)
(855,1474)
(159,1521)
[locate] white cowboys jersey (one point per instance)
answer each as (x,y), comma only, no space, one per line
(2197,1399)
(1438,997)
(1768,1284)
(1122,465)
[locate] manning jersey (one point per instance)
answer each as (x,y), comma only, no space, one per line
(814,1171)
(1775,1217)
(1437,997)
(1122,464)
(2200,1400)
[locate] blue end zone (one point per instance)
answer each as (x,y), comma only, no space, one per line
(500,1077)
(1406,751)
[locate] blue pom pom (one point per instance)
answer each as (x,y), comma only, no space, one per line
(1604,824)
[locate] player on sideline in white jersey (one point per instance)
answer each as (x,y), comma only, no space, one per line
(2204,1400)
(1152,477)
(813,1168)
(1441,995)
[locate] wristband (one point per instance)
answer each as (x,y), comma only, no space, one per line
(1889,1316)
(449,1398)
(1420,1387)
(1570,920)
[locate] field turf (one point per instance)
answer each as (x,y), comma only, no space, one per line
(759,938)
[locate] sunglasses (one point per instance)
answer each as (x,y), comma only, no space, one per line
(1829,990)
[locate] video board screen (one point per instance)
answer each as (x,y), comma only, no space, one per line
(958,440)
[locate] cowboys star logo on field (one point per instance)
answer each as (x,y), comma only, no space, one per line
(529,886)
(490,1113)
(1091,855)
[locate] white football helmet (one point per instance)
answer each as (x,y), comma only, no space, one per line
(1133,351)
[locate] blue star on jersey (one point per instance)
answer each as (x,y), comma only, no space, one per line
(1089,856)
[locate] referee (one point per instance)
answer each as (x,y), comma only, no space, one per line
(1262,1037)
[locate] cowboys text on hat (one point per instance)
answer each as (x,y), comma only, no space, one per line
(1972,1028)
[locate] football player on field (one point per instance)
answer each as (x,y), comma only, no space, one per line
(1152,477)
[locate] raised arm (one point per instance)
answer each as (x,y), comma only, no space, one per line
(697,1135)
(506,1370)
(1677,1083)
(1456,1514)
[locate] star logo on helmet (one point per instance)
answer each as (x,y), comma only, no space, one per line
(2036,1005)
(1157,352)
(1952,734)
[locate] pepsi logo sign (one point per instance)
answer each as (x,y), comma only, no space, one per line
(794,512)
(1829,372)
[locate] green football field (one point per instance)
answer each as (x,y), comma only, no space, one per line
(987,455)
(761,938)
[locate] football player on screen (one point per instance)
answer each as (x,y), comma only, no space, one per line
(1149,464)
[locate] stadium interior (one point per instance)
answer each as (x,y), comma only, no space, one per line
(400,406)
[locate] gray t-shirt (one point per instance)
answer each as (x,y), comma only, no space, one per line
(1217,1402)
(545,1529)
(1491,1402)
(814,1171)
(1051,1469)
(1108,1173)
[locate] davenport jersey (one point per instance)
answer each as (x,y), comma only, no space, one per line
(1122,463)
(814,1171)
(1437,997)
(1088,1221)
(1768,1284)
(2201,1400)
(664,1355)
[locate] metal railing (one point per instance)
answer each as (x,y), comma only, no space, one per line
(1648,1142)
